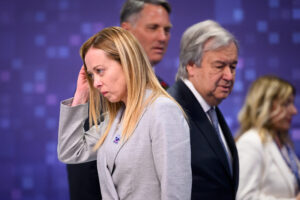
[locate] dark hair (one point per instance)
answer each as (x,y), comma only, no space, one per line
(131,7)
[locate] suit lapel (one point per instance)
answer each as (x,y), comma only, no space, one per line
(116,143)
(113,145)
(211,136)
(108,188)
(194,110)
(231,144)
(281,164)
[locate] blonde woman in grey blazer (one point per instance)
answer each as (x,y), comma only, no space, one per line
(141,140)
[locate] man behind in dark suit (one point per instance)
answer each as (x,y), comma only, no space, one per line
(149,21)
(208,59)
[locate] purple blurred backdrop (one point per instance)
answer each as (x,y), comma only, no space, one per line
(39,63)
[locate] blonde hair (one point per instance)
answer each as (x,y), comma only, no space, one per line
(121,46)
(258,111)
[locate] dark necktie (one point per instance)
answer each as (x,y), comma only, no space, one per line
(214,119)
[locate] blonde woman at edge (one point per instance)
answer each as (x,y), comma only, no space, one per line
(269,168)
(142,136)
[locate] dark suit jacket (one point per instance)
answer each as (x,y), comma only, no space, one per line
(210,170)
(83,179)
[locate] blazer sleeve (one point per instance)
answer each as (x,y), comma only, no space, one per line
(251,160)
(74,144)
(171,151)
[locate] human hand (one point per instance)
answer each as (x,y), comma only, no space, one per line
(82,92)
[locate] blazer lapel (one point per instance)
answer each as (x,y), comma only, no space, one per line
(116,142)
(212,138)
(194,110)
(108,189)
(281,164)
(231,145)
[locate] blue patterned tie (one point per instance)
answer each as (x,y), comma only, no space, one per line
(214,119)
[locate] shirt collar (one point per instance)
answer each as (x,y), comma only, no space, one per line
(199,98)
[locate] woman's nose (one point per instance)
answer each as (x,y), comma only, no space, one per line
(97,81)
(293,109)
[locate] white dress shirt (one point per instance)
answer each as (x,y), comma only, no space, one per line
(206,107)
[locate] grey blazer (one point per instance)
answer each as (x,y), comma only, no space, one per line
(155,163)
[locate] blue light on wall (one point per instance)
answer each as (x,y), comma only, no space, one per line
(296,37)
(274,38)
(273,3)
(262,26)
(40,16)
(296,13)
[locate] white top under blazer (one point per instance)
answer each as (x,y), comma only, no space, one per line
(264,174)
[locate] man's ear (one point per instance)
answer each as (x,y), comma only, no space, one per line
(190,68)
(126,25)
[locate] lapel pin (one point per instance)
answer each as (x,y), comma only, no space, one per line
(117,139)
